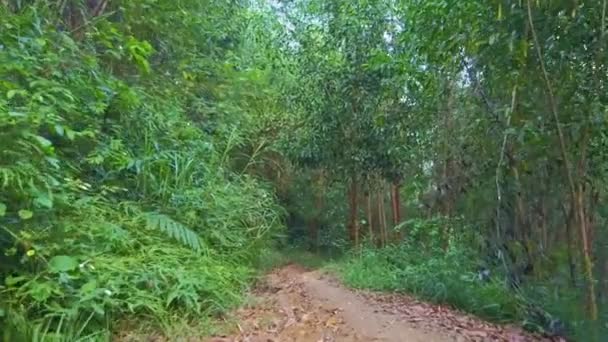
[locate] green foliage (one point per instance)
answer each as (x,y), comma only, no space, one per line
(174,229)
(273,258)
(345,102)
(432,274)
(135,135)
(118,269)
(493,112)
(453,277)
(118,200)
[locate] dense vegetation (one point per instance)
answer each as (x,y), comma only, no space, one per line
(152,151)
(119,122)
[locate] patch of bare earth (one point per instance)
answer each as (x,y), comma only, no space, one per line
(297,305)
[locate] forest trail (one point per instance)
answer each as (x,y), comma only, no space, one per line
(294,304)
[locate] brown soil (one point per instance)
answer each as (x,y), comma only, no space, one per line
(293,304)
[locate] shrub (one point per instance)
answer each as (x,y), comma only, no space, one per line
(117,201)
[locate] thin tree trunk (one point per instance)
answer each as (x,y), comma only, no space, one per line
(370,218)
(447,171)
(396,208)
(543,224)
(586,251)
(318,207)
(380,226)
(354,209)
(99,8)
(568,215)
(521,217)
(585,227)
(313,233)
(575,192)
(605,272)
(383,216)
(376,217)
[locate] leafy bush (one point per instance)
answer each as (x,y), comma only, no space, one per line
(117,202)
(114,267)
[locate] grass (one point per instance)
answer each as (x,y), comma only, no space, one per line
(450,278)
(274,258)
(436,277)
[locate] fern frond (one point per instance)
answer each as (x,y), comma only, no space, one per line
(173,229)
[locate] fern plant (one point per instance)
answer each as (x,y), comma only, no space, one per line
(174,229)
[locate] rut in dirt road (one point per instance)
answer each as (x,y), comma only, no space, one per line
(294,304)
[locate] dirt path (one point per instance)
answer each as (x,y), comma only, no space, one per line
(293,304)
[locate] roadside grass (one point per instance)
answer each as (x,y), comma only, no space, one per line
(450,277)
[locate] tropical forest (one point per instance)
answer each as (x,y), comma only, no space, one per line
(303,170)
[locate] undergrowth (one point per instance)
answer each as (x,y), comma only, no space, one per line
(278,257)
(421,267)
(432,275)
(118,204)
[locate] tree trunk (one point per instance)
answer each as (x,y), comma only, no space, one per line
(396,208)
(521,218)
(575,192)
(354,209)
(588,263)
(370,218)
(382,217)
(543,225)
(568,215)
(379,215)
(313,233)
(447,170)
(318,207)
(78,16)
(605,279)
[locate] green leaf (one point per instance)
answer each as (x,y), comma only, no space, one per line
(62,263)
(25,214)
(98,309)
(11,281)
(2,209)
(42,141)
(42,291)
(173,229)
(59,130)
(44,200)
(13,92)
(89,287)
(53,161)
(70,134)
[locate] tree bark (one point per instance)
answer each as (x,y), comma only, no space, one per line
(521,217)
(382,217)
(396,208)
(543,224)
(370,218)
(313,233)
(354,209)
(568,215)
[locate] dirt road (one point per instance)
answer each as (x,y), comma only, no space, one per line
(293,304)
